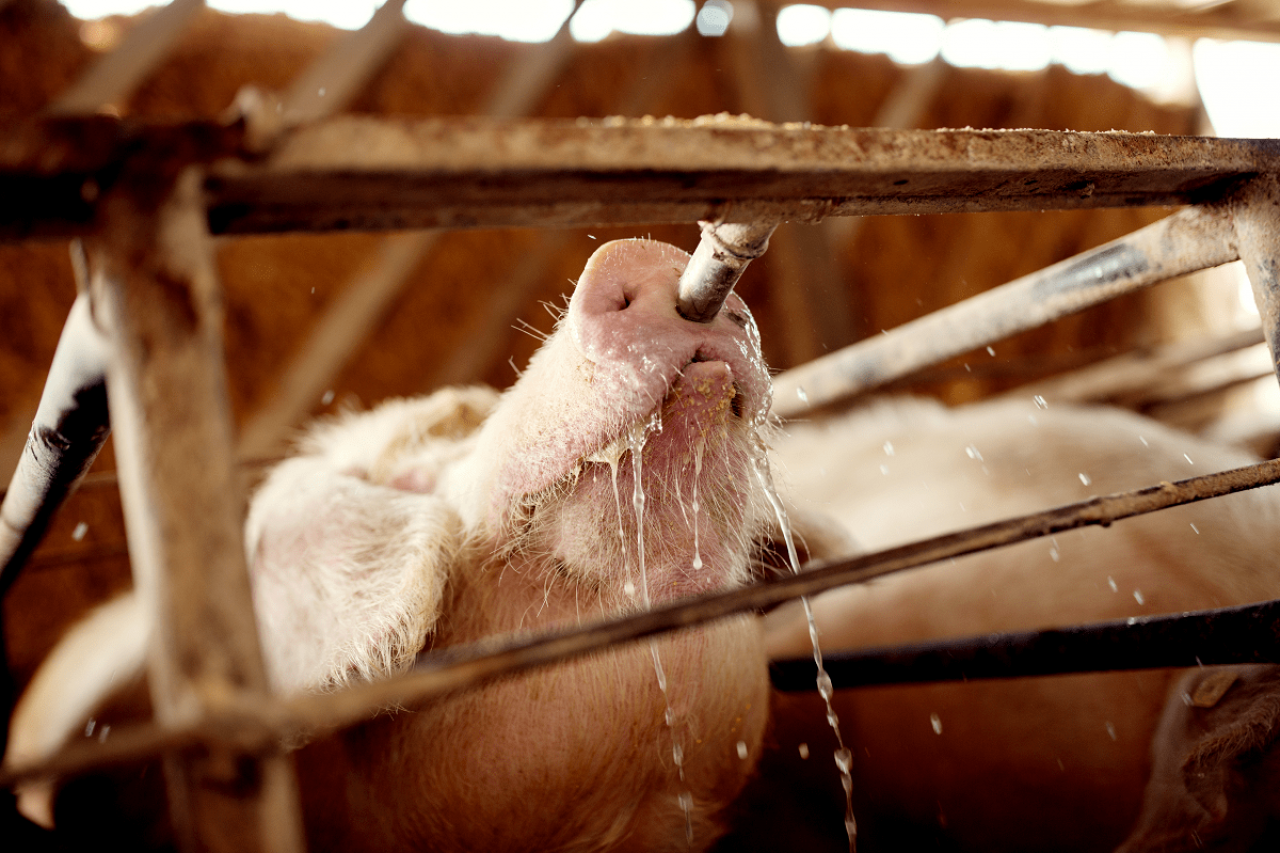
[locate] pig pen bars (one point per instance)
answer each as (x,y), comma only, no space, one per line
(147,196)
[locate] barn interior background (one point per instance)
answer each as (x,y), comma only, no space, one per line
(318,323)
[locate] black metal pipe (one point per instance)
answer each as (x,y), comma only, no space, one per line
(1229,635)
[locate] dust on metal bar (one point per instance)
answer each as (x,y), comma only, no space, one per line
(722,255)
(259,724)
(351,172)
(1193,239)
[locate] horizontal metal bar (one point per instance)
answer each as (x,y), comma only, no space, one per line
(355,172)
(1246,634)
(257,726)
(1190,240)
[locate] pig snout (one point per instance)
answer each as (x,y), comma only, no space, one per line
(622,371)
(624,319)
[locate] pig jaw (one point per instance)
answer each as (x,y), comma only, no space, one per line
(540,479)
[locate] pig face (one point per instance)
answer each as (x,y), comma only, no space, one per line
(626,388)
(620,470)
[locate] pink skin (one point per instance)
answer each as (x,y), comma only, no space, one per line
(621,353)
(514,527)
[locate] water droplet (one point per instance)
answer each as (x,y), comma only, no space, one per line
(936,722)
(804,751)
(80,531)
(1193,527)
(1084,478)
(742,750)
(1040,402)
(102,735)
(800,392)
(629,588)
(991,351)
(1144,441)
(1111,730)
(1111,582)
(973,453)
(844,760)
(326,398)
(1137,596)
(89,727)
(884,469)
(686,805)
(888,448)
(1188,458)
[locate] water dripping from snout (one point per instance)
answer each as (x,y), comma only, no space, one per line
(636,442)
(697,474)
(843,756)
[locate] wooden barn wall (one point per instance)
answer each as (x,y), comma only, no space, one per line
(891,269)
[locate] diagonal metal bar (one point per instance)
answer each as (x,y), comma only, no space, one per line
(1193,239)
(70,427)
(329,84)
(1257,231)
(113,78)
(258,725)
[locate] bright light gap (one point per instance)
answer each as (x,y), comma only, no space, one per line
(1226,73)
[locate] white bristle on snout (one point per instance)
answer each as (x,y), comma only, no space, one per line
(716,265)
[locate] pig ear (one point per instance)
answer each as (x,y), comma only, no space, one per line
(347,575)
(817,536)
(102,656)
(403,443)
(348,548)
(1243,723)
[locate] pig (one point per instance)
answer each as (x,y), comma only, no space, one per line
(1215,782)
(1055,763)
(622,470)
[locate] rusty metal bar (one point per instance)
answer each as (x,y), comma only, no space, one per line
(258,726)
(1190,240)
(1257,231)
(154,290)
(355,172)
(1244,634)
(722,255)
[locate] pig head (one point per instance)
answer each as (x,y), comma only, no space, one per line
(619,471)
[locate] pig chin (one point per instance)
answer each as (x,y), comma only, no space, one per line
(698,515)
